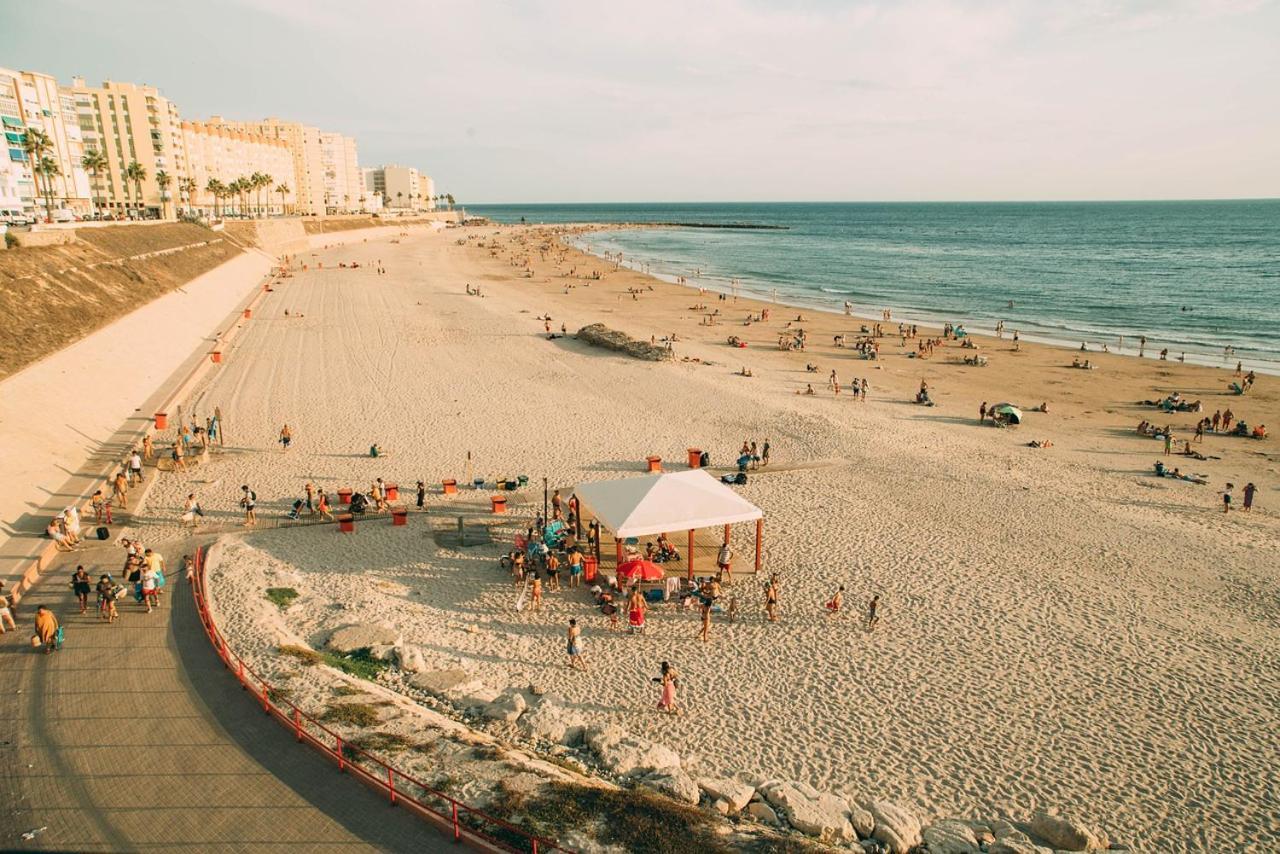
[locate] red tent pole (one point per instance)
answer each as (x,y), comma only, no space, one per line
(691,554)
(618,545)
(759,542)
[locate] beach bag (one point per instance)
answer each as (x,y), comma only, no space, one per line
(103,533)
(137,592)
(705,459)
(58,637)
(160,580)
(35,641)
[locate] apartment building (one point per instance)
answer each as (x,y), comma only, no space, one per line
(29,99)
(344,188)
(132,123)
(308,161)
(401,187)
(215,152)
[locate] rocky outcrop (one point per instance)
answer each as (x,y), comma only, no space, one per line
(599,335)
(547,720)
(950,837)
(737,795)
(348,639)
(410,659)
(626,754)
(895,826)
(1065,834)
(813,813)
(507,706)
(675,784)
(761,811)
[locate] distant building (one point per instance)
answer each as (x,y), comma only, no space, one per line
(130,124)
(344,190)
(401,187)
(304,144)
(29,99)
(217,153)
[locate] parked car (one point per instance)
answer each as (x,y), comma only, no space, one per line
(64,215)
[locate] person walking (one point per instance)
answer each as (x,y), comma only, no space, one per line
(574,639)
(764,453)
(873,612)
(107,599)
(422,494)
(191,509)
(669,681)
(1226,497)
(771,598)
(982,412)
(82,586)
(120,490)
(322,507)
(249,501)
(1249,489)
(135,467)
(310,489)
(6,611)
(286,437)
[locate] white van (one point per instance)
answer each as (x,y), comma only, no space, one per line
(63,215)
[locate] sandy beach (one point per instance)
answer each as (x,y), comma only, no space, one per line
(1060,628)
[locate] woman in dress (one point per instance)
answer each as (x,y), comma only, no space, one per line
(669,680)
(82,585)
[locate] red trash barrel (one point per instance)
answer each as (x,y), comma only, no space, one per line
(589,568)
(393,492)
(344,495)
(248,313)
(216,356)
(450,487)
(499,503)
(695,457)
(347,523)
(400,516)
(162,421)
(655,463)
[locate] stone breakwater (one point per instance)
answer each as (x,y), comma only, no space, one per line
(530,717)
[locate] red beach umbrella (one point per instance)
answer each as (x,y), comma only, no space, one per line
(640,570)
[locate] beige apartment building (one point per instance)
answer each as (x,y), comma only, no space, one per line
(215,152)
(29,99)
(401,187)
(131,123)
(308,162)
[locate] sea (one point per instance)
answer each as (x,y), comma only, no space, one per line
(1200,278)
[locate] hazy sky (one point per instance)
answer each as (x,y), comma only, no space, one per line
(722,99)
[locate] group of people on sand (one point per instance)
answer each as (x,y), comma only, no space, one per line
(65,528)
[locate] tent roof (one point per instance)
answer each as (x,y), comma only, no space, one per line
(674,501)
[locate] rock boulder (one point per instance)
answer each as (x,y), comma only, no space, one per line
(626,754)
(950,837)
(673,783)
(896,826)
(1064,833)
(348,639)
(811,812)
(549,721)
(507,706)
(735,793)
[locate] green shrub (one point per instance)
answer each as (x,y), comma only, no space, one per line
(360,663)
(282,596)
(353,714)
(305,654)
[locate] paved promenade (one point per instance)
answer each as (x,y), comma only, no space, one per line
(135,737)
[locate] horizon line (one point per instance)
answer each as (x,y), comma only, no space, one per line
(887,201)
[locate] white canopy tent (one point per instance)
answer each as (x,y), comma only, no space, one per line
(674,501)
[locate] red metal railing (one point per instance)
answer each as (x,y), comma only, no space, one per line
(466,823)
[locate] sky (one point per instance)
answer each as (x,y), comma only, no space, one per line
(722,100)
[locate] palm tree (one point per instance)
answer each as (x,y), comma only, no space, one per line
(399,199)
(282,189)
(48,167)
(187,187)
(37,144)
(95,163)
(214,188)
(363,199)
(449,198)
(163,181)
(264,183)
(136,173)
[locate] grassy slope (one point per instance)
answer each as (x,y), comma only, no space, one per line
(51,296)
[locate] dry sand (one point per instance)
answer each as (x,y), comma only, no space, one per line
(1060,627)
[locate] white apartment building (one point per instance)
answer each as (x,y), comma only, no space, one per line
(401,188)
(29,99)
